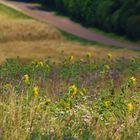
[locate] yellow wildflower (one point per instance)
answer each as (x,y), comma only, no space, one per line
(25,79)
(83,91)
(107,67)
(73,90)
(66,105)
(37,63)
(8,85)
(71,58)
(88,55)
(133,80)
(130,107)
(40,64)
(109,56)
(34,62)
(36,90)
(107,104)
(48,101)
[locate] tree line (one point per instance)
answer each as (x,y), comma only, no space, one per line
(119,16)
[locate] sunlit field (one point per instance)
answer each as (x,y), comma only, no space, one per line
(29,39)
(56,88)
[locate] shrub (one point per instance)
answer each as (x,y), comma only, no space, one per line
(109,15)
(133,27)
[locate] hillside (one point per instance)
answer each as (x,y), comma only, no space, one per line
(29,39)
(55,86)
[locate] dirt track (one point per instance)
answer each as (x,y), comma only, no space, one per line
(67,25)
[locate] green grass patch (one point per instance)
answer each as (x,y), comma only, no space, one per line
(12,13)
(113,35)
(74,38)
(73,99)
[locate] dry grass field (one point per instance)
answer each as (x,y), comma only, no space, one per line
(28,38)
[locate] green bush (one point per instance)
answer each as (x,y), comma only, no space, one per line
(133,27)
(109,15)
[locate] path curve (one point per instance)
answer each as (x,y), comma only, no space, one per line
(67,25)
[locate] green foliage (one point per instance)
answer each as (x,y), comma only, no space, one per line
(133,26)
(13,13)
(110,15)
(72,99)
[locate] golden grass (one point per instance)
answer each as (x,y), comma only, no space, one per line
(26,30)
(31,39)
(42,49)
(3,16)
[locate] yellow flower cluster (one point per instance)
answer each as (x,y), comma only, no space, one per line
(25,79)
(107,104)
(109,56)
(133,80)
(71,58)
(130,107)
(48,101)
(82,91)
(66,104)
(37,63)
(88,55)
(73,90)
(36,91)
(107,67)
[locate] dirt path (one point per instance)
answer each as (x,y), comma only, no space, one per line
(67,25)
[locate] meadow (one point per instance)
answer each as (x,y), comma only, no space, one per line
(54,86)
(74,99)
